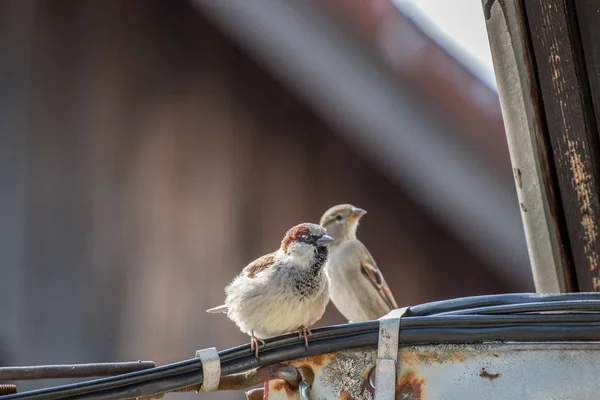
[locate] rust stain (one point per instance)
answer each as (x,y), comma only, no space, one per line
(410,386)
(314,362)
(280,385)
(345,396)
(439,355)
(487,375)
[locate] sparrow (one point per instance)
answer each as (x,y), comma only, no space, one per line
(356,286)
(284,291)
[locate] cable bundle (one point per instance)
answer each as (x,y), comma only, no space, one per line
(497,318)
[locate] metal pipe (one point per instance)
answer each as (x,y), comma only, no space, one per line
(72,370)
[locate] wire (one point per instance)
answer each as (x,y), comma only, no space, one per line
(534,307)
(466,303)
(498,318)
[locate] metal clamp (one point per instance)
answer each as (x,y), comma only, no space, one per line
(387,354)
(211,369)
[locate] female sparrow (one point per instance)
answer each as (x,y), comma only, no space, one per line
(284,291)
(357,287)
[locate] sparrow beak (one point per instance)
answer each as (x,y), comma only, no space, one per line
(356,213)
(325,241)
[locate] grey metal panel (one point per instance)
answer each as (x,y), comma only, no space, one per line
(462,372)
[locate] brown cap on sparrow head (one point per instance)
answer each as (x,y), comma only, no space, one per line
(357,287)
(284,291)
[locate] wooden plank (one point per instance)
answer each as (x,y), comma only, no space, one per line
(565,95)
(588,19)
(530,150)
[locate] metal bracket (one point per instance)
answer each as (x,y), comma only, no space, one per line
(387,354)
(211,369)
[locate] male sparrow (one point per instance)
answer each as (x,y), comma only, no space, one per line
(284,291)
(356,285)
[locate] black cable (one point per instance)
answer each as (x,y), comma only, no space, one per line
(534,307)
(467,320)
(144,389)
(65,391)
(409,336)
(464,303)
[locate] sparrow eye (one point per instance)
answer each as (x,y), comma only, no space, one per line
(310,239)
(338,218)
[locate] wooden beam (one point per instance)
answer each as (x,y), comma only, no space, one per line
(529,145)
(558,47)
(588,19)
(572,129)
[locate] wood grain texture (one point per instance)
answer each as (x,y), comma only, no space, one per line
(565,95)
(588,20)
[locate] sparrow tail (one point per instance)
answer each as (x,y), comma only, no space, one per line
(219,309)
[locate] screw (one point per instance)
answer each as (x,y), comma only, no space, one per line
(7,388)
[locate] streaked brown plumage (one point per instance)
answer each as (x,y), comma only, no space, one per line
(356,286)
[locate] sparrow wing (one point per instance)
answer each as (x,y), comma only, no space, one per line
(259,265)
(369,269)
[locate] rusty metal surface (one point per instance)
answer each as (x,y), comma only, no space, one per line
(486,371)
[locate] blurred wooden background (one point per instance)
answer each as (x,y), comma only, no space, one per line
(145,160)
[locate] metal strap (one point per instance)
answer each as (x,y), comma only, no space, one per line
(387,354)
(211,369)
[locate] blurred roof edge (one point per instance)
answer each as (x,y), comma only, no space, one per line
(400,78)
(427,23)
(403,46)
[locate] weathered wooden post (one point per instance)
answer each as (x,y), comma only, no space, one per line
(547,63)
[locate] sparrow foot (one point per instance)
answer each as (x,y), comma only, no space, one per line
(255,343)
(304,332)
